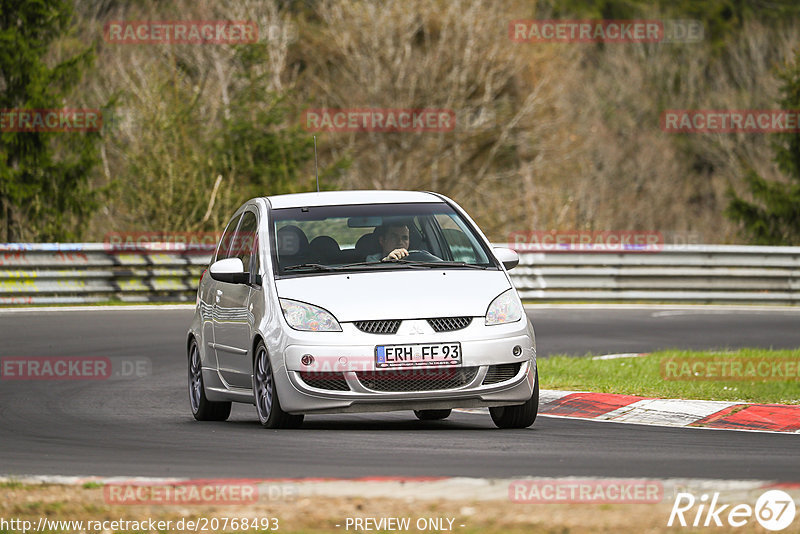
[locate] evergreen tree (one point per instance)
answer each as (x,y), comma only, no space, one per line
(268,155)
(44,190)
(773,218)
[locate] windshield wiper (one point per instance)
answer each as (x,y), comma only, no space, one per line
(319,267)
(416,263)
(441,264)
(311,267)
(366,264)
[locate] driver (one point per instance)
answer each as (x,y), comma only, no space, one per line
(393,239)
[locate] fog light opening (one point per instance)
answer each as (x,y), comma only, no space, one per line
(517,351)
(307,359)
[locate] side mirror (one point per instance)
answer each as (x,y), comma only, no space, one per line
(509,258)
(230,270)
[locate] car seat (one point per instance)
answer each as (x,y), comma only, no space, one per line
(367,244)
(292,246)
(325,249)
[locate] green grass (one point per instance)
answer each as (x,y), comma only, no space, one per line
(645,376)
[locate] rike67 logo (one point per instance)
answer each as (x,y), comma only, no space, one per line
(774,510)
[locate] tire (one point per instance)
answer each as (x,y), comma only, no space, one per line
(202,408)
(265,395)
(432,415)
(520,415)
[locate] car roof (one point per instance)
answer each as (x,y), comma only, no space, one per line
(343,198)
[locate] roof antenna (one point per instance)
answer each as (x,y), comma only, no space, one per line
(316,167)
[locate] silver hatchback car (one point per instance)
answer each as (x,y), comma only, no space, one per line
(360,301)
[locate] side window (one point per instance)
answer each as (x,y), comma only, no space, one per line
(224,245)
(462,245)
(244,244)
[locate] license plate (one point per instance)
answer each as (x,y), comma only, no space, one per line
(416,355)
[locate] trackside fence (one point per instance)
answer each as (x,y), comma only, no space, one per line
(676,273)
(54,273)
(63,273)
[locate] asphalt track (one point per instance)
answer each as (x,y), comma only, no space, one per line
(142,427)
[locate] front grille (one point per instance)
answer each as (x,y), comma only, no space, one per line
(501,373)
(428,379)
(386,326)
(448,324)
(325,380)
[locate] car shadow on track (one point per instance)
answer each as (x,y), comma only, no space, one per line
(377,422)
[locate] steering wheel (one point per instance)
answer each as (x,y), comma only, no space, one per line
(421,255)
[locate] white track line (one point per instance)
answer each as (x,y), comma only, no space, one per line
(679,307)
(622,355)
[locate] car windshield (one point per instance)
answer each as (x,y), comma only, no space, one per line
(325,239)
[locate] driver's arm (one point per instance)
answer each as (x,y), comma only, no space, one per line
(396,254)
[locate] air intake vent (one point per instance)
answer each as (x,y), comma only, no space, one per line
(325,380)
(448,324)
(501,373)
(428,379)
(387,326)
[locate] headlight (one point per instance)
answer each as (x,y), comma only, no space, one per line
(504,309)
(301,316)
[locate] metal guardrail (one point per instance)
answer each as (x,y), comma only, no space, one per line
(686,273)
(93,272)
(62,273)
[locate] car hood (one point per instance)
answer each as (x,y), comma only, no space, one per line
(412,294)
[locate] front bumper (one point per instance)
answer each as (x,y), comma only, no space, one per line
(350,362)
